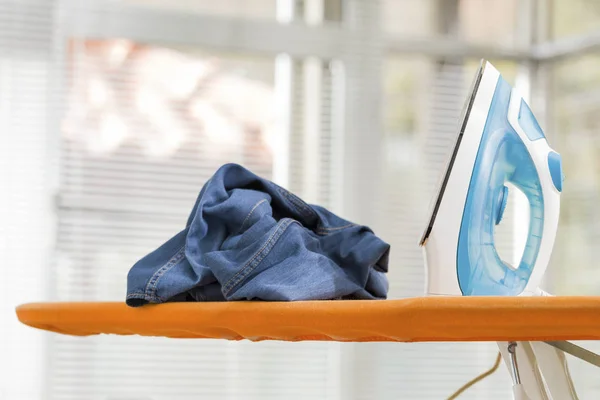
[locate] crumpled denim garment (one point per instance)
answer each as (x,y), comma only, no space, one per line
(249,239)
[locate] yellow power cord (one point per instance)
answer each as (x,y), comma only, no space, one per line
(477,379)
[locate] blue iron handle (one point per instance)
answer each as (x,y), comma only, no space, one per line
(502,157)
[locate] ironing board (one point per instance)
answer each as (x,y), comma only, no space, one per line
(420,319)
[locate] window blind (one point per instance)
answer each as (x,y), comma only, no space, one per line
(573,126)
(145,126)
(26,230)
(423,102)
(139,127)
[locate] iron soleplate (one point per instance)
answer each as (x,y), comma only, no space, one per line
(449,164)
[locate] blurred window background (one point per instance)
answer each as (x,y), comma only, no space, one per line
(114,113)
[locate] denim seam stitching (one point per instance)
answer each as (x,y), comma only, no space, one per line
(296,202)
(257,257)
(142,295)
(240,274)
(324,229)
(136,295)
(251,212)
(152,285)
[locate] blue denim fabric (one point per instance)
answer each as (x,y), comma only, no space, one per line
(249,239)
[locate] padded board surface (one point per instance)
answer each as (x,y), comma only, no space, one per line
(407,320)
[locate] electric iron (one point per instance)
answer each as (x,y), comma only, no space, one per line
(499,144)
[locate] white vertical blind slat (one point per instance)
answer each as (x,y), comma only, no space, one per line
(25,209)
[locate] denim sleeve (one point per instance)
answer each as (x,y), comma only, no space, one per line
(145,275)
(247,238)
(296,264)
(167,273)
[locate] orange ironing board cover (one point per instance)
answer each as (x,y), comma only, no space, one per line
(406,320)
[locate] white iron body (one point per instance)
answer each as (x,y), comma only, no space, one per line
(440,248)
(543,370)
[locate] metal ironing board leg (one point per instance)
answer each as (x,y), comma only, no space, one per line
(539,370)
